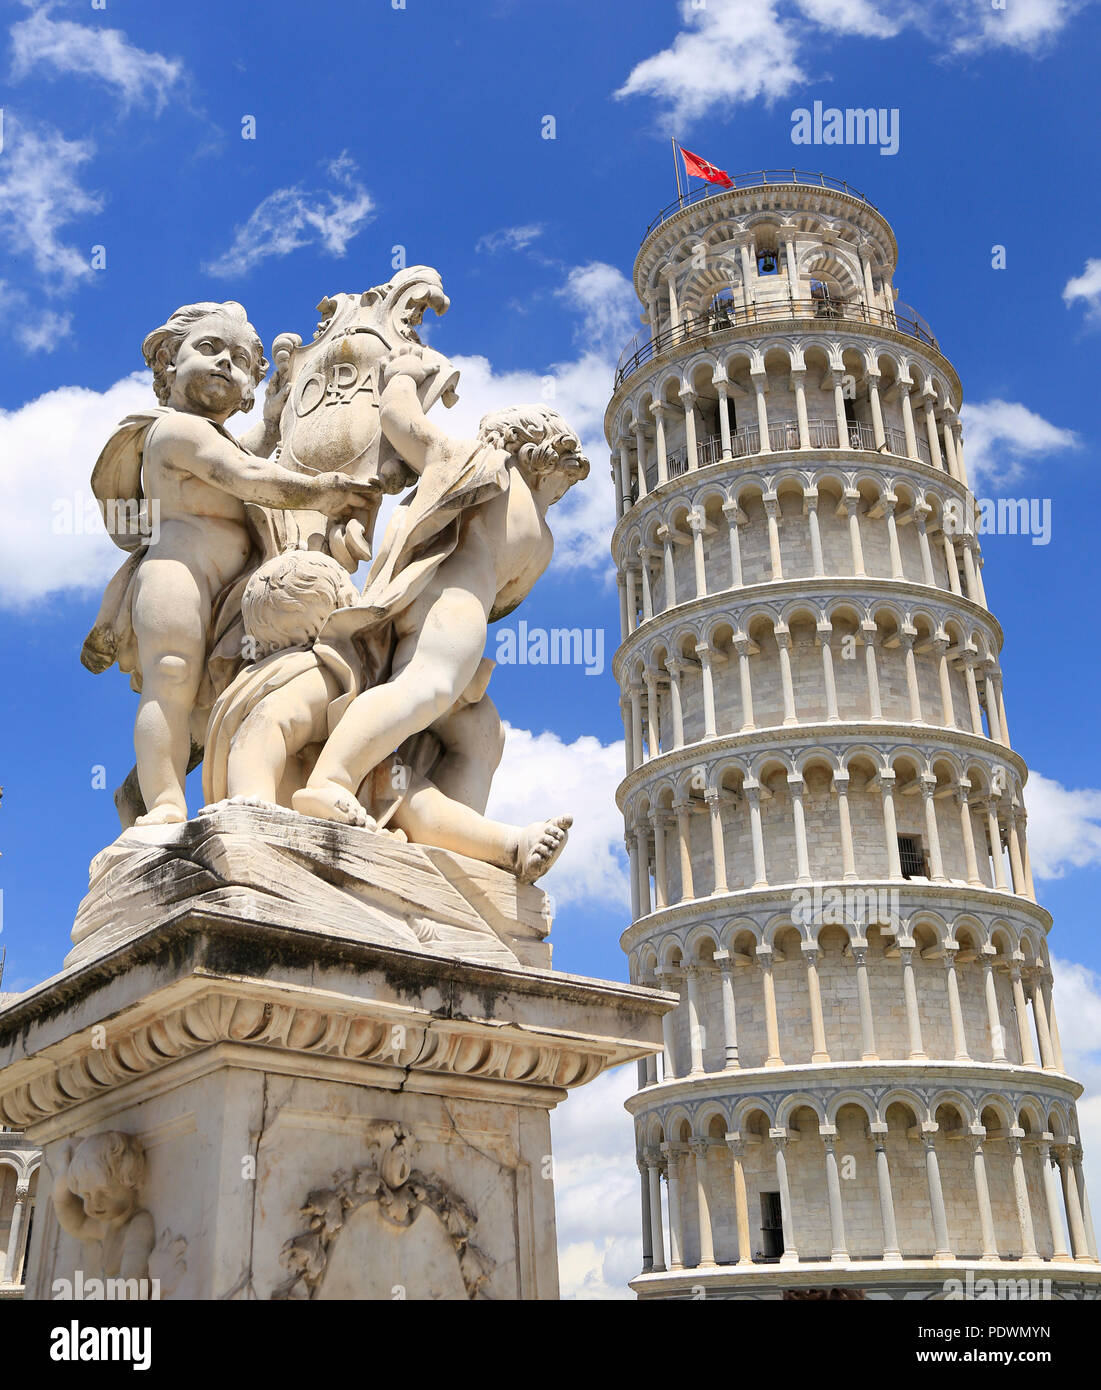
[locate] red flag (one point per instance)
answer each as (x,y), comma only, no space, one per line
(701,169)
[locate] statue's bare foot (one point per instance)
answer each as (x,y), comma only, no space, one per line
(540,845)
(331,802)
(165,814)
(241,801)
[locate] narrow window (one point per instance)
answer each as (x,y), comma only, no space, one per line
(911,856)
(772,1226)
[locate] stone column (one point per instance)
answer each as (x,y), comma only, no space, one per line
(632,599)
(848,858)
(741,1198)
(950,445)
(16,1235)
(792,267)
(624,619)
(947,707)
(683,810)
(931,432)
(906,641)
(1016,863)
(959,1035)
(621,478)
(982,1194)
(772,516)
(1020,1193)
(967,834)
(734,518)
(632,856)
(653,714)
(640,459)
(999,694)
(895,552)
(802,860)
(879,434)
(891,1248)
(718,844)
(779,1139)
(908,422)
(799,384)
(644,555)
(673,1154)
(753,798)
(697,524)
(657,1234)
(1079,1242)
(1060,1252)
(705,653)
(637,752)
(661,874)
(843,441)
(810,510)
(695,1042)
(932,834)
(1020,1009)
(943,1250)
(927,575)
(851,502)
(993,1014)
(992,707)
(707,1241)
(743,646)
(691,447)
(772,1029)
(657,410)
(913,1018)
(1043,1035)
(890,831)
(839,1251)
(995,837)
(670,275)
(824,633)
(819,1051)
(668,568)
(760,383)
(669,980)
(864,999)
(647,1219)
(724,418)
(642,855)
(870,634)
(783,651)
(676,669)
(730,1023)
(1046,982)
(1084,1200)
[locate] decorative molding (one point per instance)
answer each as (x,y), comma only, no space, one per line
(401,1192)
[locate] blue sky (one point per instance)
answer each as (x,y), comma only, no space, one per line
(423,127)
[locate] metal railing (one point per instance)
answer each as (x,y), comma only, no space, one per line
(782,437)
(757,179)
(15,1140)
(736,316)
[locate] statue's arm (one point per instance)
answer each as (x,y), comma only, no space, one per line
(137,1246)
(191,445)
(70,1210)
(405,424)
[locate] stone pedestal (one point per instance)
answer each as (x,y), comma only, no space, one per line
(343,1096)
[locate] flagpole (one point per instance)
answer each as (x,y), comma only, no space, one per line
(676,170)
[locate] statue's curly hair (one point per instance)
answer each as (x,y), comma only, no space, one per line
(537,436)
(288,598)
(160,347)
(112,1157)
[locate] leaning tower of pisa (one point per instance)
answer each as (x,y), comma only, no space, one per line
(862,1086)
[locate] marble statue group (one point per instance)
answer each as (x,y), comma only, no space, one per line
(240,624)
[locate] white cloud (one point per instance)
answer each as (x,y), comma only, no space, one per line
(999,434)
(597,1193)
(1087,287)
(40,194)
(606,301)
(509,238)
(1077,997)
(1064,826)
(542,776)
(729,52)
(104,55)
(297,216)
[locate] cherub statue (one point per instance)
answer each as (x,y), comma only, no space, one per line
(95,1196)
(462,551)
(268,726)
(169,604)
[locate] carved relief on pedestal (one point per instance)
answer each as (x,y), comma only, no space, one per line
(398,1199)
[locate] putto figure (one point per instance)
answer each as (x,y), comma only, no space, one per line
(96,1198)
(463,551)
(174,599)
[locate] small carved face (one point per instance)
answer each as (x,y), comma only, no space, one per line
(112,1202)
(213,371)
